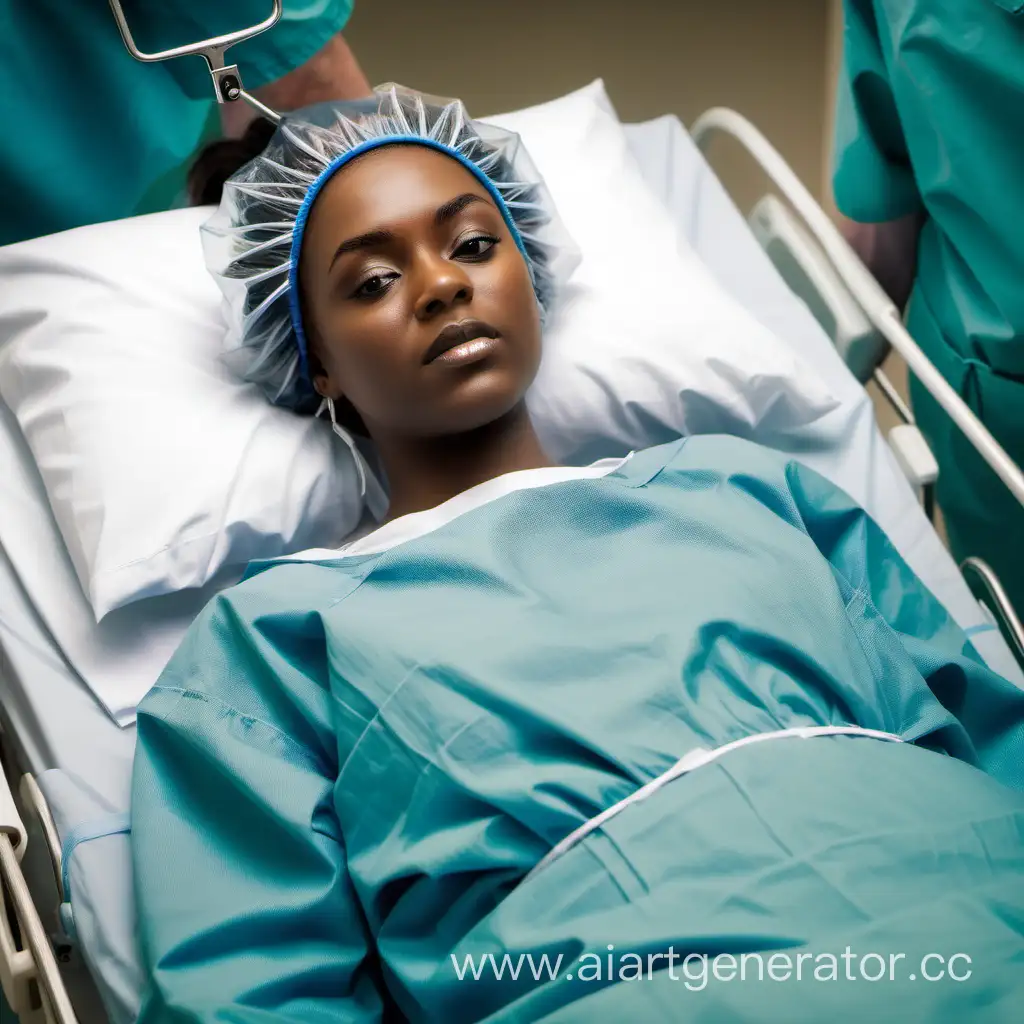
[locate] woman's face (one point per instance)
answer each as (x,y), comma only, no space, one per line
(418,303)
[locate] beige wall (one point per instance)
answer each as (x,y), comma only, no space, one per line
(768,59)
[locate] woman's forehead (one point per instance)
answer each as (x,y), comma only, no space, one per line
(393,185)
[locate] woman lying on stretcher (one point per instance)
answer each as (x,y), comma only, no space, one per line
(691,703)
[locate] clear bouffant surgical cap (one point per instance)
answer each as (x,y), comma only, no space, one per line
(254,240)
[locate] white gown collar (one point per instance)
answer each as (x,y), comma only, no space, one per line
(418,524)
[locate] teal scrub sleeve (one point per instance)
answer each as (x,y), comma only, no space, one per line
(304,28)
(873,180)
(984,720)
(246,910)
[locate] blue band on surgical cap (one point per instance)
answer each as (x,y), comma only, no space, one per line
(328,172)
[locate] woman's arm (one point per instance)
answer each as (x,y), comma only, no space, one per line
(246,910)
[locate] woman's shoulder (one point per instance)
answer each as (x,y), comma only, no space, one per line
(262,635)
(255,658)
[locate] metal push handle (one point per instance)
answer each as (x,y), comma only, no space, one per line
(227,81)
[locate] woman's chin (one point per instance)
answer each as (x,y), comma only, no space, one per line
(480,402)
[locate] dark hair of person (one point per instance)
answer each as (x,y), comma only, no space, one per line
(214,165)
(222,158)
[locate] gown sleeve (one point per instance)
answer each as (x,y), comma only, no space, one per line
(887,603)
(246,910)
(873,180)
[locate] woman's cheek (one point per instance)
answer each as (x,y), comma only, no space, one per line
(496,281)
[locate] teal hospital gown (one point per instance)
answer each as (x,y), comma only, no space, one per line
(350,766)
(930,120)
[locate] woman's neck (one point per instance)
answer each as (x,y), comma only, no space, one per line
(422,474)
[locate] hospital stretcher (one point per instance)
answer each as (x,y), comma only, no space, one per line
(67,922)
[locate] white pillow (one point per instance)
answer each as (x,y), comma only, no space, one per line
(161,469)
(647,345)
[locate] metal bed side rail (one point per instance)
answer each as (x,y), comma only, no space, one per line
(29,975)
(987,589)
(877,306)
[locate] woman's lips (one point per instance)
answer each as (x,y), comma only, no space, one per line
(457,335)
(468,352)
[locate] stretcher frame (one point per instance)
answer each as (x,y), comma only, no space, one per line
(29,971)
(837,260)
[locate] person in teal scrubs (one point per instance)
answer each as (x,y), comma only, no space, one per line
(90,134)
(929,169)
(366,771)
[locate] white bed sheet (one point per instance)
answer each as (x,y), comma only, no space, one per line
(49,640)
(847,446)
(80,756)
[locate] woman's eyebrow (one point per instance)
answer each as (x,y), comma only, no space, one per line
(367,241)
(445,212)
(455,206)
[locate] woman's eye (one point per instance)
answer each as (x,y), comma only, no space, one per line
(374,286)
(475,248)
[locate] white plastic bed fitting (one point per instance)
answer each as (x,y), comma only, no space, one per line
(877,306)
(809,274)
(918,463)
(29,975)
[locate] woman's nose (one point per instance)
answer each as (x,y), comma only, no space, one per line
(445,284)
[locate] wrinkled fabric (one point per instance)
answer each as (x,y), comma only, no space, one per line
(350,766)
(929,117)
